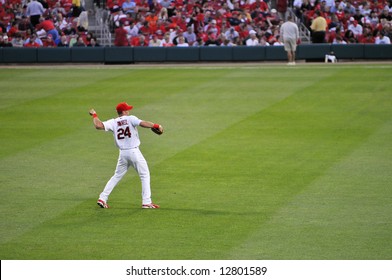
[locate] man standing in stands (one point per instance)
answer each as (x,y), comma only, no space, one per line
(49,28)
(120,36)
(319,28)
(34,11)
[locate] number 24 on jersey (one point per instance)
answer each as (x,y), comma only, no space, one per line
(122,133)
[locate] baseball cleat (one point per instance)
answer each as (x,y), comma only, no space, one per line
(102,204)
(151,205)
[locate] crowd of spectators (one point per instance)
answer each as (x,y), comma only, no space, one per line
(243,22)
(44,23)
(183,23)
(349,22)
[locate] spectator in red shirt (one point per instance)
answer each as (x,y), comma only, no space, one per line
(340,14)
(212,40)
(212,27)
(32,43)
(281,6)
(49,28)
(120,36)
(139,41)
(261,4)
(160,28)
(178,20)
(14,29)
(367,37)
(49,43)
(142,6)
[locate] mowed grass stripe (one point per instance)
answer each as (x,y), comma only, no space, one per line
(20,86)
(57,99)
(275,155)
(344,214)
(42,105)
(209,107)
(308,138)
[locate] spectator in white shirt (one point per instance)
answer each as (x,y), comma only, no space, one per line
(190,36)
(231,34)
(181,42)
(355,28)
(253,40)
(383,39)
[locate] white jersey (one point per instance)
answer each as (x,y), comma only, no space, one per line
(124,130)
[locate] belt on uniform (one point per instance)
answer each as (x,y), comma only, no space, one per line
(129,148)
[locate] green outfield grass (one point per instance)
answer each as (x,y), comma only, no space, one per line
(257,162)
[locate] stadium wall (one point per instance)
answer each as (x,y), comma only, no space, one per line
(127,55)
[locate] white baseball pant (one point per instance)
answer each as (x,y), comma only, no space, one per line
(127,158)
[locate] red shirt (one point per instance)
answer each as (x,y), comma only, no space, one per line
(168,44)
(32,45)
(49,44)
(341,16)
(367,40)
(12,31)
(263,6)
(178,21)
(120,37)
(7,18)
(146,30)
(135,42)
(47,25)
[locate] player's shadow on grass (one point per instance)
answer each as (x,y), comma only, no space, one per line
(125,209)
(206,212)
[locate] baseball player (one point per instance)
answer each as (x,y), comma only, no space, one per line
(124,129)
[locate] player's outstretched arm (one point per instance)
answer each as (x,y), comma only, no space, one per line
(147,124)
(97,122)
(156,128)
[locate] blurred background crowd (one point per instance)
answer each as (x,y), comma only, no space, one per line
(183,23)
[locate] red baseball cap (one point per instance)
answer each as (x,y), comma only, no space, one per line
(123,106)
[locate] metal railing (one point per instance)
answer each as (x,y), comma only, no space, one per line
(102,22)
(304,32)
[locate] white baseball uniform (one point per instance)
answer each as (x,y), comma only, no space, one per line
(126,136)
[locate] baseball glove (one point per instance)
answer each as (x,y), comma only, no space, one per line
(157,129)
